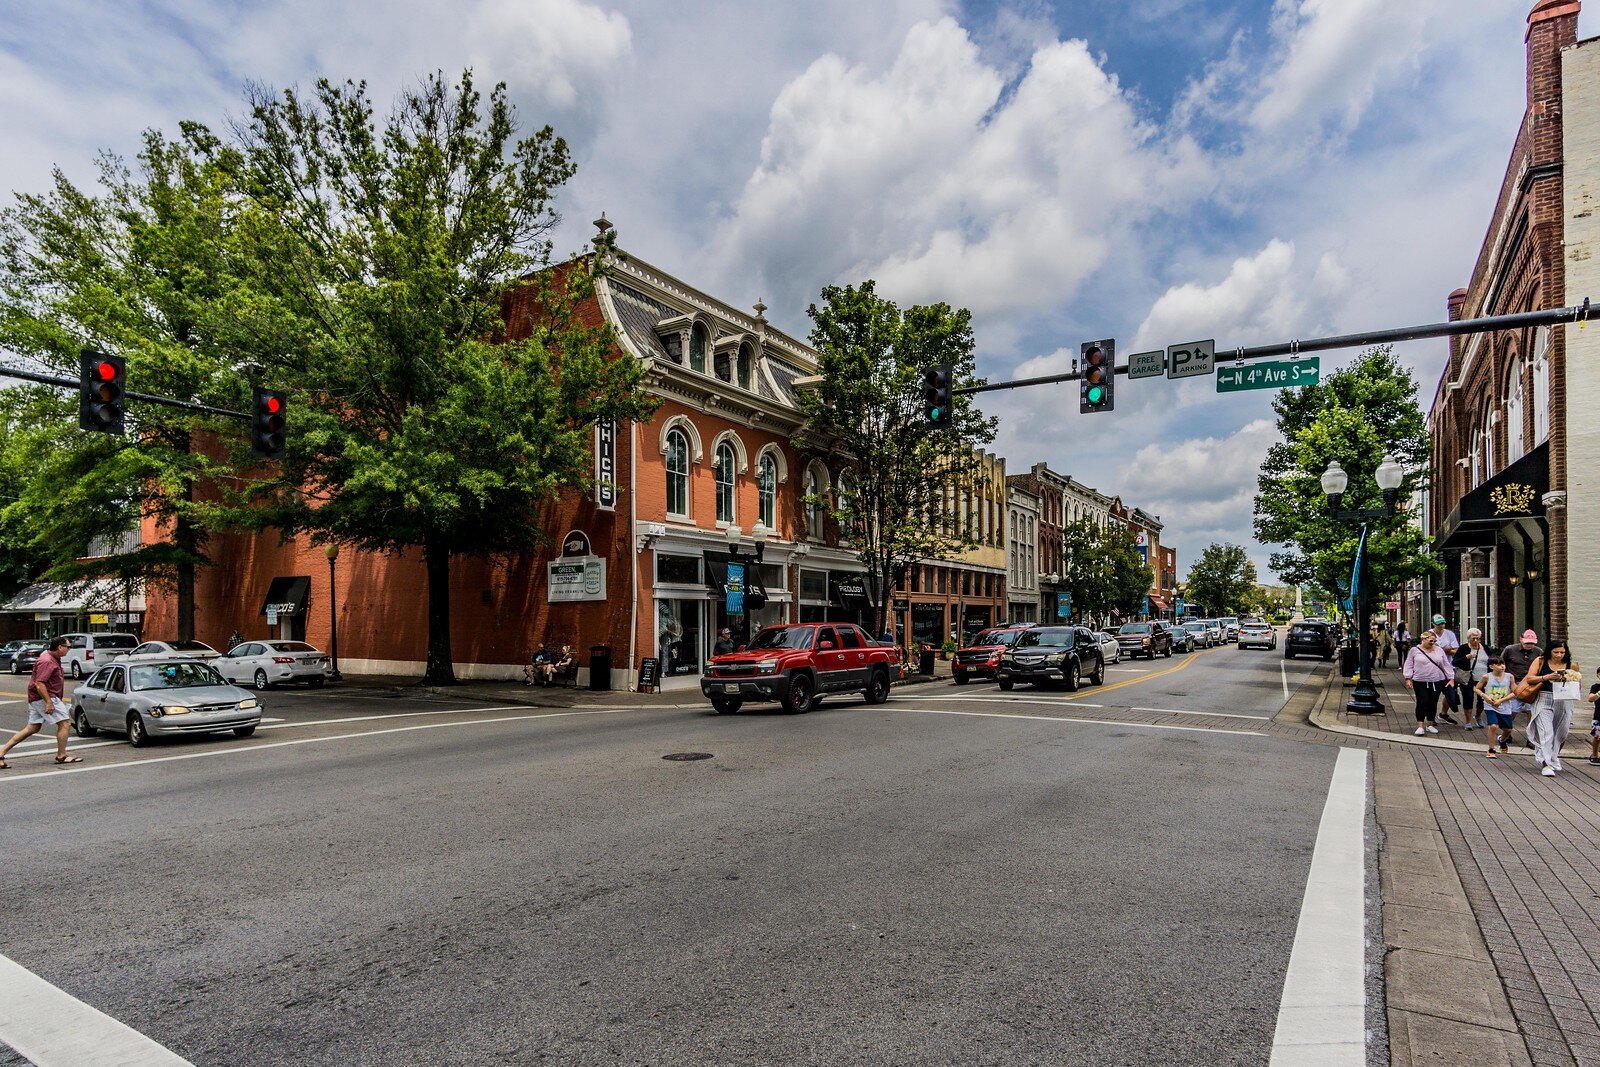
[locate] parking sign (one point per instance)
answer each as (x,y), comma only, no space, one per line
(1191,360)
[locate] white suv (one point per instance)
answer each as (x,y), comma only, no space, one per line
(81,658)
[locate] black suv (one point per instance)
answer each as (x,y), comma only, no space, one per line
(1311,639)
(1046,655)
(1145,639)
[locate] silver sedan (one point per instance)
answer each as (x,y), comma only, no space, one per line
(1110,651)
(162,699)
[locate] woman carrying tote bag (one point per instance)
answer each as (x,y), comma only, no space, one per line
(1557,679)
(1428,673)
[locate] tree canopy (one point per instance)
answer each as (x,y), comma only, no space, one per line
(867,411)
(1224,580)
(1102,569)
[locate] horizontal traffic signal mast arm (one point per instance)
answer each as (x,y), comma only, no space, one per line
(149,398)
(1550,317)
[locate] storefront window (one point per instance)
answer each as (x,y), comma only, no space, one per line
(813,585)
(677,570)
(678,636)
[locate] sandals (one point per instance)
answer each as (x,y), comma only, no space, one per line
(69,759)
(4,766)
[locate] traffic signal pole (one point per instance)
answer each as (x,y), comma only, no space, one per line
(149,398)
(1521,320)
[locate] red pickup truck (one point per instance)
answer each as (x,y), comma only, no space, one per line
(799,664)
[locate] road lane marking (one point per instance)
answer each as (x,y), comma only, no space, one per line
(1214,714)
(52,1028)
(1283,672)
(1322,1018)
(1088,722)
(1036,699)
(1129,670)
(244,748)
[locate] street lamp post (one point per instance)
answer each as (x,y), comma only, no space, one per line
(1389,476)
(333,605)
(736,554)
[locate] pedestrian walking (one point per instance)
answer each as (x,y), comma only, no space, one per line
(1385,646)
(1428,674)
(1402,642)
(235,639)
(1471,664)
(1447,643)
(1494,690)
(725,645)
(1594,727)
(1558,679)
(46,686)
(1519,658)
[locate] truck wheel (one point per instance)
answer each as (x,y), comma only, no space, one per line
(960,677)
(878,689)
(799,698)
(1287,654)
(1004,684)
(1168,652)
(726,705)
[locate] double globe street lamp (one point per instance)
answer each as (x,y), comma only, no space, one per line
(1389,476)
(737,555)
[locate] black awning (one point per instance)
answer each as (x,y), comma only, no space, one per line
(849,591)
(717,574)
(288,594)
(1517,492)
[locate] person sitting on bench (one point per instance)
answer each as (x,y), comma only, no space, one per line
(565,668)
(538,669)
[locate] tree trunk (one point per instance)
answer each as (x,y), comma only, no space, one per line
(436,558)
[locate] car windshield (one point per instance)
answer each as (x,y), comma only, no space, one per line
(191,646)
(1135,628)
(184,675)
(114,641)
(997,637)
(1229,621)
(290,646)
(1049,638)
(782,637)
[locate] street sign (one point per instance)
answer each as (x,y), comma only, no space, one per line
(272,614)
(1194,358)
(1179,607)
(1147,364)
(733,589)
(1268,374)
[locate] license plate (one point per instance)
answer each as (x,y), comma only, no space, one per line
(731,687)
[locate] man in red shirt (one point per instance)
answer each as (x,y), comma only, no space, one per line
(45,706)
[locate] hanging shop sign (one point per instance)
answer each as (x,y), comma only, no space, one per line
(574,579)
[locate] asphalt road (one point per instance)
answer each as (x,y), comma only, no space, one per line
(424,883)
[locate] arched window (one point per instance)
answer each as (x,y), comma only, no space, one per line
(726,465)
(1489,468)
(677,473)
(815,488)
(1541,390)
(845,499)
(767,491)
(698,340)
(746,361)
(1476,465)
(1516,441)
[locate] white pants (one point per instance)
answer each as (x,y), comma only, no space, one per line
(1553,719)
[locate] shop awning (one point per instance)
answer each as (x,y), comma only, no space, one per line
(1517,492)
(103,594)
(287,594)
(717,574)
(1158,603)
(849,591)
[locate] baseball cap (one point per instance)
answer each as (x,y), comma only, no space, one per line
(1438,620)
(1529,637)
(725,632)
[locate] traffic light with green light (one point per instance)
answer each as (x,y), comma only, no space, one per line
(938,383)
(102,392)
(1097,387)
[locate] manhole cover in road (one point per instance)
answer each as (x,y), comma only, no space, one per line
(685,757)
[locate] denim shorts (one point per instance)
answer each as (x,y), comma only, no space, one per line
(1503,719)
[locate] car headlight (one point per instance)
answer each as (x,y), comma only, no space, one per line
(249,703)
(1061,658)
(767,666)
(157,711)
(1144,641)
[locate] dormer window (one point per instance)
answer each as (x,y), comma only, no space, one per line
(746,365)
(673,343)
(699,341)
(724,364)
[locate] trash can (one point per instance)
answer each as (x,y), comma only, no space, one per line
(925,662)
(600,668)
(1349,660)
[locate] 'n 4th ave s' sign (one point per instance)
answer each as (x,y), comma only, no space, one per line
(1275,374)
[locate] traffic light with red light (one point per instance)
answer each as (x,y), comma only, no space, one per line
(268,422)
(103,388)
(938,398)
(1097,386)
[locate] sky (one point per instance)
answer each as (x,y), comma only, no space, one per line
(1157,172)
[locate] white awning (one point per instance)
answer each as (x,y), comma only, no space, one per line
(105,594)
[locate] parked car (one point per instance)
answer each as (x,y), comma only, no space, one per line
(1110,651)
(1199,632)
(1310,638)
(82,648)
(982,657)
(1149,639)
(18,656)
(1230,628)
(1182,640)
(1213,630)
(160,698)
(159,650)
(1257,634)
(1048,654)
(799,664)
(263,664)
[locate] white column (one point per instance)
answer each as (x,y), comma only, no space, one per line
(1581,121)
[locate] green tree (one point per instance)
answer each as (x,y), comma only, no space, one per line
(422,417)
(867,410)
(146,266)
(1357,416)
(21,559)
(1224,580)
(1102,569)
